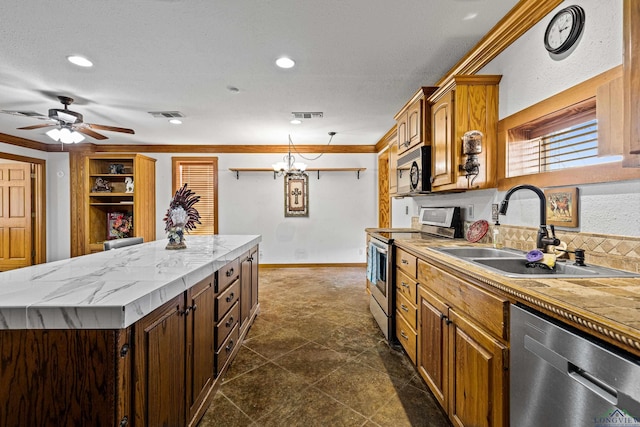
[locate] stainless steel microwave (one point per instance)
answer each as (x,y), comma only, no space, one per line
(414,171)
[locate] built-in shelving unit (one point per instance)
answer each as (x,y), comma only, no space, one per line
(317,170)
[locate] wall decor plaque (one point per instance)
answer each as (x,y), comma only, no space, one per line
(296,194)
(562,206)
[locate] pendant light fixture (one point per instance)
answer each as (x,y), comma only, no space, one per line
(288,165)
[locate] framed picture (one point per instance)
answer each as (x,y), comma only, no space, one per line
(562,206)
(296,195)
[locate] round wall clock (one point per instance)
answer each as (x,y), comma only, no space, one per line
(564,29)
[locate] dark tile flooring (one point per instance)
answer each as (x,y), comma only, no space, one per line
(315,357)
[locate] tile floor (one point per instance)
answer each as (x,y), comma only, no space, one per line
(315,357)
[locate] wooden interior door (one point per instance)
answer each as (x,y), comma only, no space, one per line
(15,216)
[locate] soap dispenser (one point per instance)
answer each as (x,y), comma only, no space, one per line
(497,237)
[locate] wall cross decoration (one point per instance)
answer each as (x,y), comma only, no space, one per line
(296,194)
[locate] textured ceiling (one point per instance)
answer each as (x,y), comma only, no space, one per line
(358,61)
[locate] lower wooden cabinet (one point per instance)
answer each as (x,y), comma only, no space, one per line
(462,353)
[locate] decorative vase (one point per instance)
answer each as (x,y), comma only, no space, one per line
(176,238)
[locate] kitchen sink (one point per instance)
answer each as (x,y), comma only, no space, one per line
(512,263)
(467,252)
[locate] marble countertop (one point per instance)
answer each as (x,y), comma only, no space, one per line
(111,289)
(606,307)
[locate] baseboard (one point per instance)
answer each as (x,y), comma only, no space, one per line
(363,264)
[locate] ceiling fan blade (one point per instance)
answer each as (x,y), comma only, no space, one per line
(90,133)
(110,128)
(37,126)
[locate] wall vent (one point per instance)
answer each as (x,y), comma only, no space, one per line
(306,115)
(166,114)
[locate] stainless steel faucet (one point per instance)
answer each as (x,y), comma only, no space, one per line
(543,240)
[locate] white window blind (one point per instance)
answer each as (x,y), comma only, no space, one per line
(201,176)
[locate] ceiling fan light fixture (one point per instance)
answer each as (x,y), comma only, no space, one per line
(284,62)
(80,61)
(65,135)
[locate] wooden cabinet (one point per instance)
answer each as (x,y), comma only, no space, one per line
(116,199)
(173,371)
(405,294)
(462,347)
(249,285)
(470,104)
(412,127)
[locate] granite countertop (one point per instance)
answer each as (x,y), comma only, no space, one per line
(609,308)
(111,289)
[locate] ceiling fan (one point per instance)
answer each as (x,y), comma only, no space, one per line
(73,121)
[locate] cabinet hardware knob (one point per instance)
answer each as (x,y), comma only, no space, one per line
(124,350)
(185,312)
(405,336)
(404,261)
(404,285)
(448,321)
(193,307)
(229,322)
(229,272)
(229,346)
(230,297)
(250,259)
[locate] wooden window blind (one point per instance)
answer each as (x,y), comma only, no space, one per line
(201,176)
(562,140)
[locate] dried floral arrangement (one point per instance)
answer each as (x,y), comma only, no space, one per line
(181,216)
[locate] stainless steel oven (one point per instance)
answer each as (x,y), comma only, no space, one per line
(380,277)
(378,269)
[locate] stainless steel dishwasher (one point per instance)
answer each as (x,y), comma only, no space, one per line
(561,377)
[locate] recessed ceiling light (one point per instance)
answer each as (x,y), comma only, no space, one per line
(175,122)
(285,62)
(80,61)
(295,122)
(470,16)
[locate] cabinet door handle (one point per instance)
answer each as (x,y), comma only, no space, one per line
(229,272)
(404,261)
(124,350)
(230,297)
(404,285)
(124,422)
(229,346)
(250,259)
(229,322)
(193,307)
(404,307)
(185,312)
(405,336)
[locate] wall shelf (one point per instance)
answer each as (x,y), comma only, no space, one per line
(318,170)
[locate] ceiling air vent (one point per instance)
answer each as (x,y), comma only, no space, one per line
(306,115)
(24,113)
(166,114)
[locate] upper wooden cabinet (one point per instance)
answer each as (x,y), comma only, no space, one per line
(470,104)
(412,124)
(393,163)
(93,205)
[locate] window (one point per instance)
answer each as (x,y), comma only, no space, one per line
(201,176)
(561,140)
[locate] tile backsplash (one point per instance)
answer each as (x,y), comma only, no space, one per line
(621,252)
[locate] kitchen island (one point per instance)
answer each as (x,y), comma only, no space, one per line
(134,336)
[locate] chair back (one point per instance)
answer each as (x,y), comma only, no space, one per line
(121,243)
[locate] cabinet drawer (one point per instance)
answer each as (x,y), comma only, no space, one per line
(407,337)
(406,262)
(226,350)
(407,310)
(227,274)
(225,326)
(226,299)
(407,286)
(487,309)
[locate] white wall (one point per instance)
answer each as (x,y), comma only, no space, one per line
(530,75)
(340,207)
